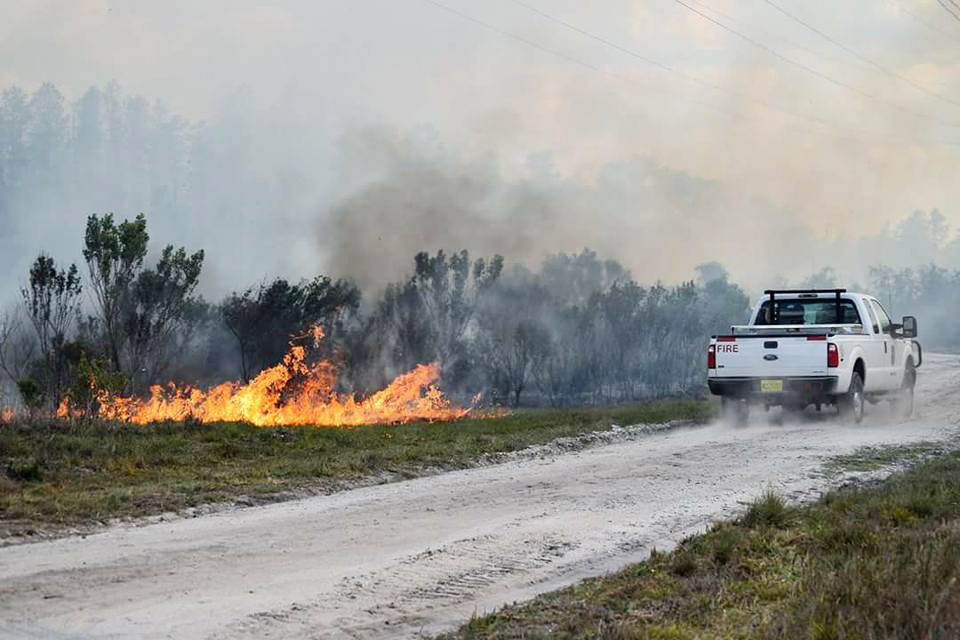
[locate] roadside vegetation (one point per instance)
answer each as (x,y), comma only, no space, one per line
(866,459)
(880,561)
(63,473)
(580,331)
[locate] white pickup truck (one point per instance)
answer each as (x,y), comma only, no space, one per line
(807,347)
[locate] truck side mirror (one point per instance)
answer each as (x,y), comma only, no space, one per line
(909,327)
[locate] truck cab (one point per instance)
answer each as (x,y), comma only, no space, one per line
(817,347)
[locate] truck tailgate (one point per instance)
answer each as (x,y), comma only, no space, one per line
(771,357)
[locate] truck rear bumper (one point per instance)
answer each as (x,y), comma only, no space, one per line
(805,388)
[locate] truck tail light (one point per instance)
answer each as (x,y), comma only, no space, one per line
(711,357)
(816,337)
(833,356)
(726,338)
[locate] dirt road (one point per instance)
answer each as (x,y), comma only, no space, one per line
(419,556)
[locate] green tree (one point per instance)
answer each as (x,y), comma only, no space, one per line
(160,313)
(114,255)
(52,300)
(143,311)
(32,394)
(263,319)
(90,375)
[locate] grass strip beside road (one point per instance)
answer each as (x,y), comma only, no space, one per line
(880,561)
(61,474)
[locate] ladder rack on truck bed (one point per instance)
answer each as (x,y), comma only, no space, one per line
(803,293)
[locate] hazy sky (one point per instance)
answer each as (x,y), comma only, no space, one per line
(674,142)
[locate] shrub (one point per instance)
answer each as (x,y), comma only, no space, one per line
(25,470)
(769,510)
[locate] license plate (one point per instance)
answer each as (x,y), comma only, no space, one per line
(771,386)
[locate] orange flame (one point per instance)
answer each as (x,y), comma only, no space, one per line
(7,414)
(290,393)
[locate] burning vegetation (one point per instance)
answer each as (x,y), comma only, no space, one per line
(293,392)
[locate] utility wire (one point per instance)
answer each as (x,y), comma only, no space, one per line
(949,8)
(609,43)
(757,31)
(862,58)
(811,70)
(559,54)
(839,134)
(572,59)
(929,25)
(667,68)
(513,36)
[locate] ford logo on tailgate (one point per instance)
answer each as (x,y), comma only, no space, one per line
(770,356)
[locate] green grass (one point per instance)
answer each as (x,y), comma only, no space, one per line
(875,562)
(881,457)
(55,473)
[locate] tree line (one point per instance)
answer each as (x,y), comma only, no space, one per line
(578,330)
(122,149)
(929,292)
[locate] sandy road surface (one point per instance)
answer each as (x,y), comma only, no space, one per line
(421,555)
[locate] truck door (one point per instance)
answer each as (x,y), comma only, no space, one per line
(875,352)
(887,369)
(895,358)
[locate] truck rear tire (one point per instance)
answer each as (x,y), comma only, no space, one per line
(850,405)
(735,410)
(903,404)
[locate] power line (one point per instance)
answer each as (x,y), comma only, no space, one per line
(811,70)
(667,68)
(609,43)
(841,135)
(929,25)
(530,43)
(779,38)
(951,9)
(513,36)
(858,56)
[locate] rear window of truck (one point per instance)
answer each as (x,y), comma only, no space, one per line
(808,311)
